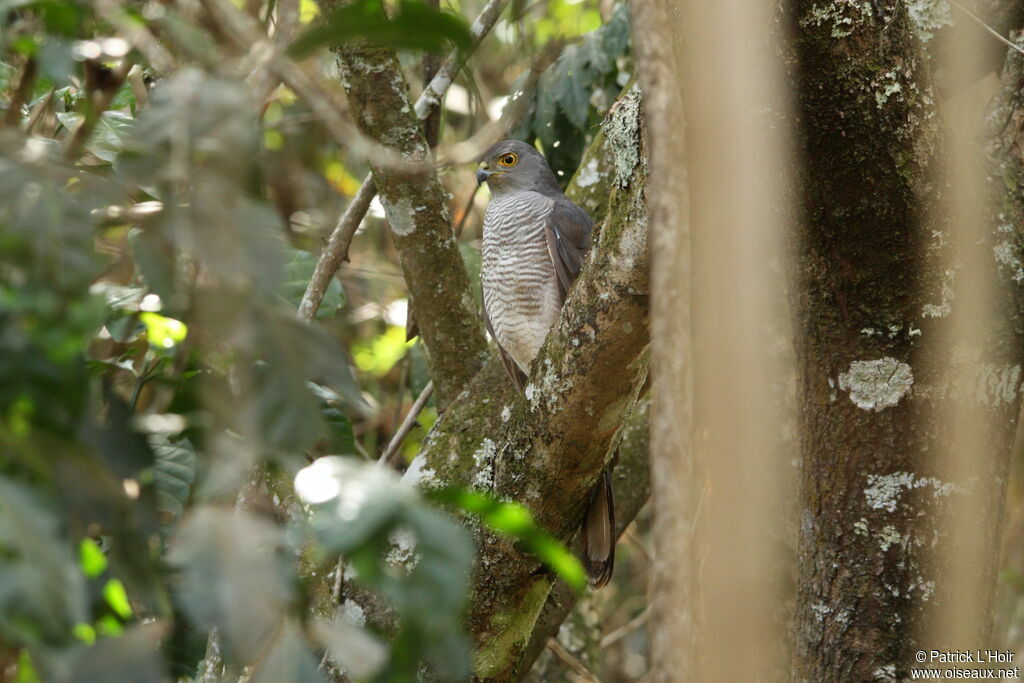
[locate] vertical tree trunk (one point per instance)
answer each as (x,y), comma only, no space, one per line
(672,492)
(872,287)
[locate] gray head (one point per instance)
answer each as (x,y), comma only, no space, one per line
(514,166)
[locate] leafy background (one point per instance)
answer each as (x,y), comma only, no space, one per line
(160,216)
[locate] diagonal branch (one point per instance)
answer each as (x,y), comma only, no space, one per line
(547,448)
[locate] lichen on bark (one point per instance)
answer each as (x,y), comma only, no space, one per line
(875,288)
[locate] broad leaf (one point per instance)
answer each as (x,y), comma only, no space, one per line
(415,26)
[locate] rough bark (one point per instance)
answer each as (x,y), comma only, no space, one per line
(631,481)
(416,208)
(546,448)
(871,287)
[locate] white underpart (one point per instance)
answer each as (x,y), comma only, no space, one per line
(519,284)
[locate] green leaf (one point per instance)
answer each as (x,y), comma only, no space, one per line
(42,590)
(515,520)
(164,333)
(26,669)
(108,137)
(91,558)
(574,81)
(56,61)
(341,439)
(85,633)
(615,34)
(415,26)
(231,577)
(174,475)
(547,107)
(117,598)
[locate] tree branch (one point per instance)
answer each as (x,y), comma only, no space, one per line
(632,483)
(416,207)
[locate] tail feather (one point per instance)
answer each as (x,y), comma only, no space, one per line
(598,534)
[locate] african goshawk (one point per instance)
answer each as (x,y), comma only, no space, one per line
(534,243)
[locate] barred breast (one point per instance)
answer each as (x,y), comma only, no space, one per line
(519,283)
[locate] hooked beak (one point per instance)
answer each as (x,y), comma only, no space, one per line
(484,173)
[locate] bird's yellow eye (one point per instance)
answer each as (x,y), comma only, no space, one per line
(509,159)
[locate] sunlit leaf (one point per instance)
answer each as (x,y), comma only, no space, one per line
(117,598)
(163,332)
(378,356)
(26,669)
(85,633)
(91,558)
(513,519)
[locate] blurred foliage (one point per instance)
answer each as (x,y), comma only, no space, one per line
(159,221)
(413,25)
(574,93)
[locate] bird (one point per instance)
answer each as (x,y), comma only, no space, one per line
(534,242)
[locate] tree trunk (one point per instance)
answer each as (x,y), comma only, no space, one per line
(873,291)
(657,44)
(416,207)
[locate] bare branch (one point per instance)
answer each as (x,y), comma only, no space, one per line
(336,249)
(388,457)
(989,29)
(571,661)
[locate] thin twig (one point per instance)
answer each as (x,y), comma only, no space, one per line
(627,628)
(988,28)
(339,573)
(571,661)
(337,250)
(390,453)
(466,211)
(469,150)
(138,85)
